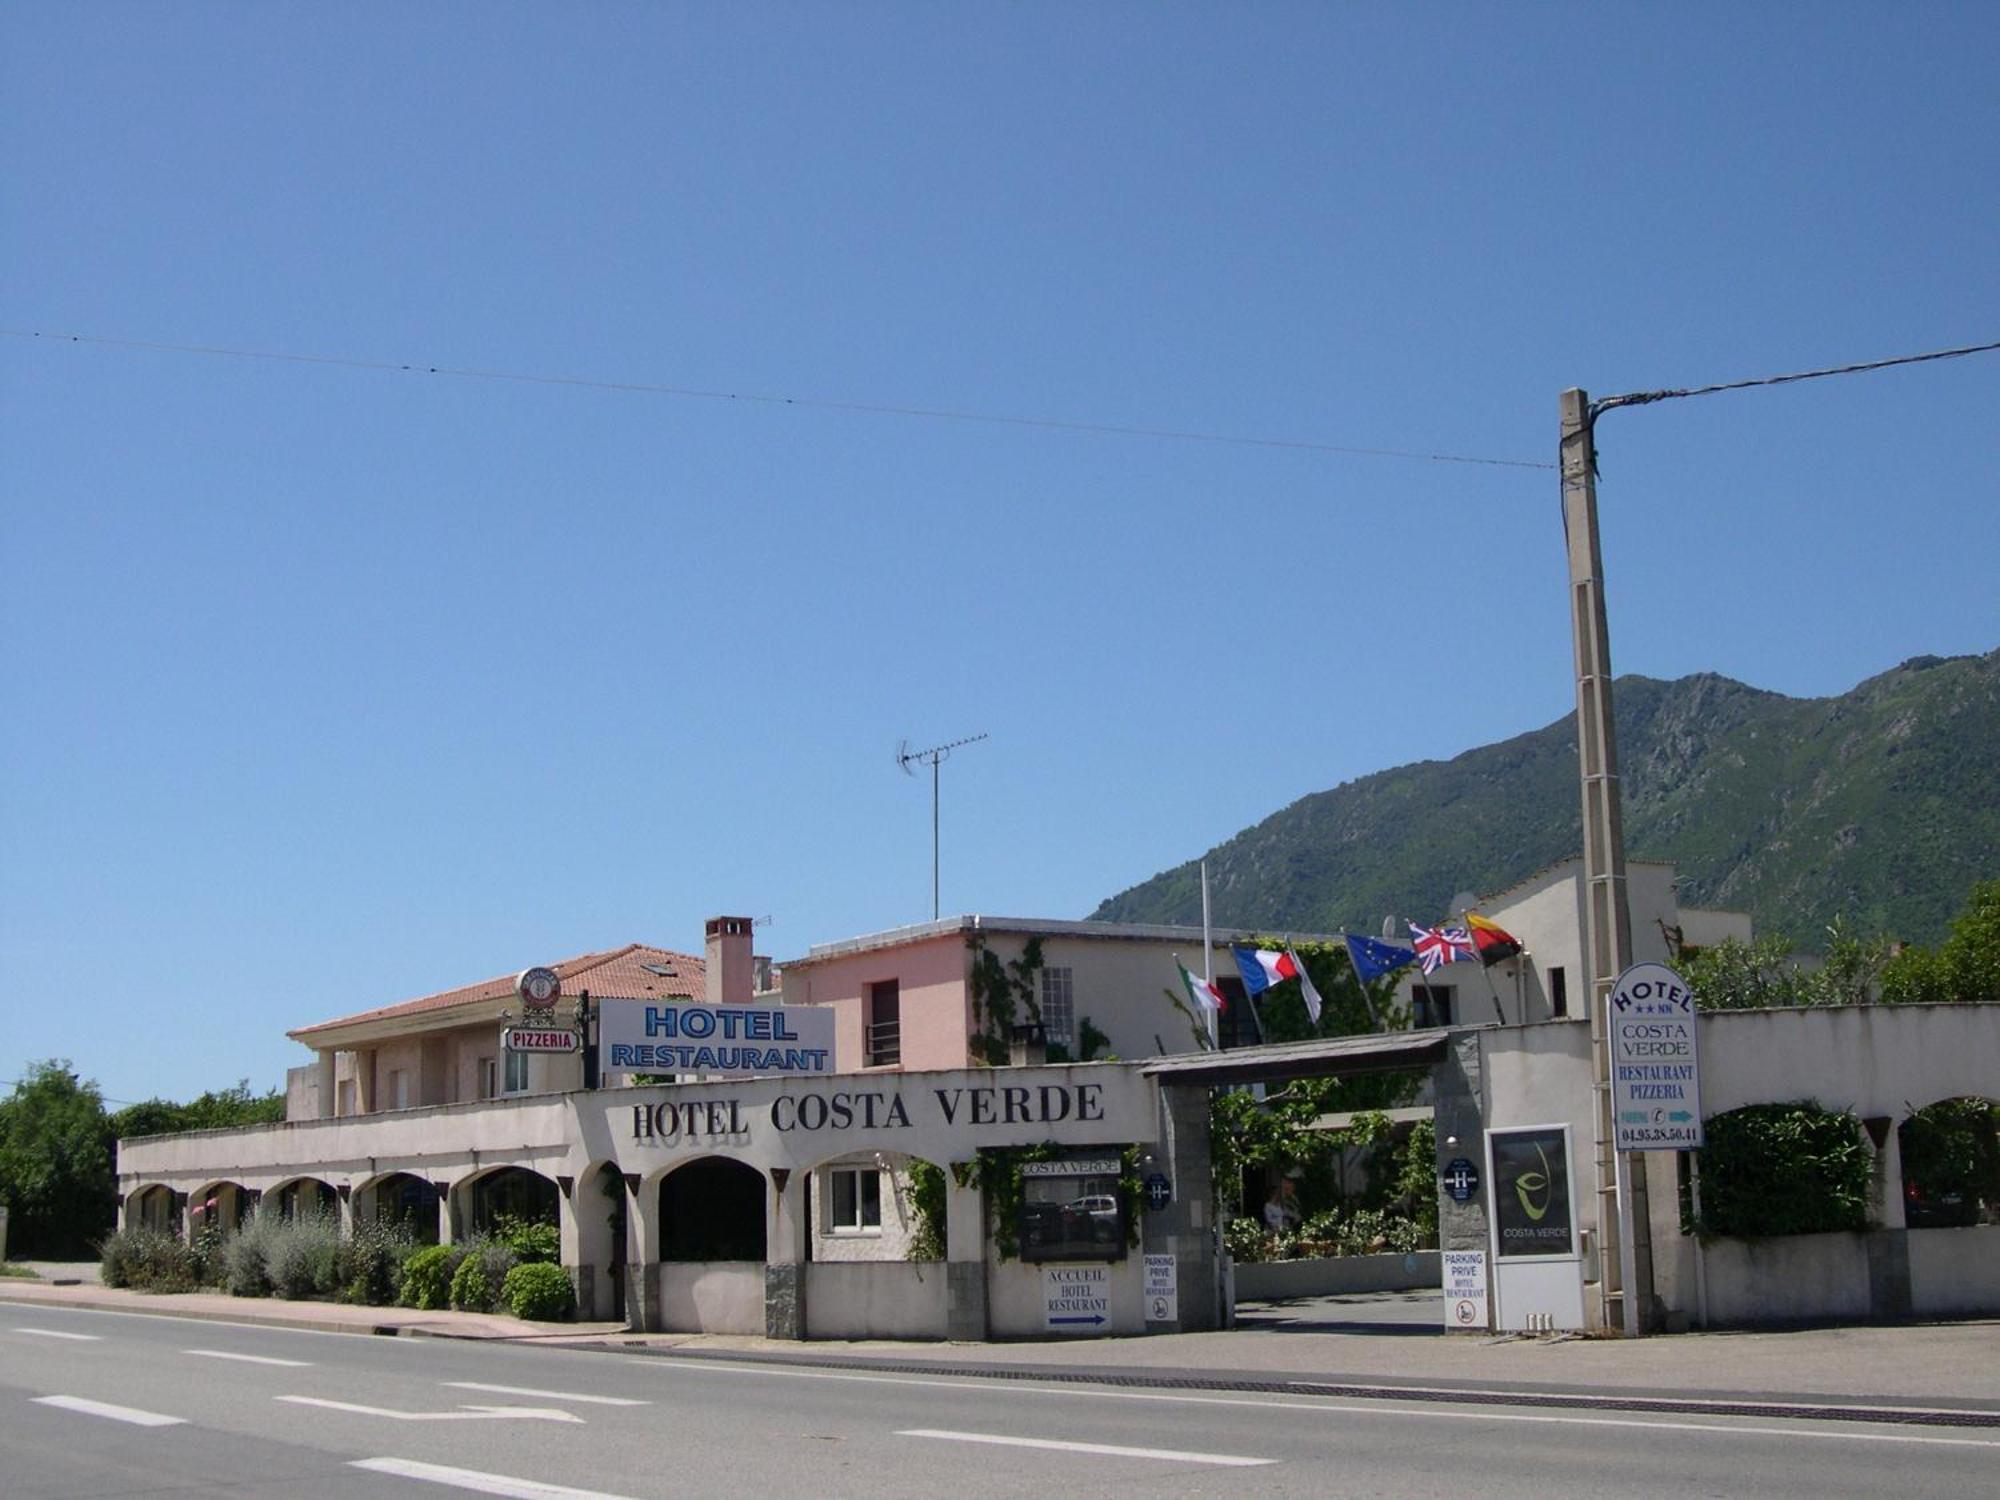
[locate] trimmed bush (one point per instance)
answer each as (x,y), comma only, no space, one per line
(427,1277)
(539,1292)
(476,1284)
(530,1239)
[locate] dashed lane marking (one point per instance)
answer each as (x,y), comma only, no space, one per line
(522,1390)
(251,1359)
(1103,1450)
(105,1409)
(474,1480)
(57,1333)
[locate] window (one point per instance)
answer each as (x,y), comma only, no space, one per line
(884,1024)
(486,1078)
(1558,992)
(854,1200)
(345,1104)
(1059,1007)
(399,1089)
(1430,1005)
(517,1072)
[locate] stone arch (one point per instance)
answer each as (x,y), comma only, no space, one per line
(222,1205)
(154,1206)
(1948,1153)
(876,1205)
(304,1198)
(713,1208)
(515,1191)
(402,1200)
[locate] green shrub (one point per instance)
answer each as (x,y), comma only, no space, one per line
(368,1265)
(147,1260)
(476,1284)
(539,1292)
(531,1240)
(1772,1169)
(301,1258)
(244,1272)
(427,1277)
(1246,1241)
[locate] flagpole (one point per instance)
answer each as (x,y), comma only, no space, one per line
(1374,1016)
(1485,969)
(1208,956)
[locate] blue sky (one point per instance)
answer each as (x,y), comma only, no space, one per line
(323,687)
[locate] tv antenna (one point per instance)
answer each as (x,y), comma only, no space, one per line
(934,757)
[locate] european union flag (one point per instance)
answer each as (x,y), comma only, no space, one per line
(1372,960)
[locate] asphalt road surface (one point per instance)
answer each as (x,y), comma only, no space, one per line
(96,1404)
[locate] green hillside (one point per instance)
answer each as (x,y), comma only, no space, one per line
(1881,805)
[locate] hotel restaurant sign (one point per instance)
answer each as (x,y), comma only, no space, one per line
(723,1041)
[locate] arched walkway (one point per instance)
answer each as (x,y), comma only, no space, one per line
(221,1206)
(1950,1158)
(712,1209)
(404,1201)
(513,1193)
(305,1198)
(156,1207)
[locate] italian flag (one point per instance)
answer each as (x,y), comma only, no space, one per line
(1204,995)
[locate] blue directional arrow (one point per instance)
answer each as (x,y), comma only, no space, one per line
(1092,1318)
(1680,1116)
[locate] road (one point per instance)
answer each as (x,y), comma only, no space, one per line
(95,1403)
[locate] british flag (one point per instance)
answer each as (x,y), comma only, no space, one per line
(1438,946)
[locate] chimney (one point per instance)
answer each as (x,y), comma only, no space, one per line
(728,953)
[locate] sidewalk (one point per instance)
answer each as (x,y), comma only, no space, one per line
(1952,1365)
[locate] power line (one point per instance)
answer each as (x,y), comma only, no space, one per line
(872,408)
(1642,398)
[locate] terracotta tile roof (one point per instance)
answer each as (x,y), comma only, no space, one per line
(617,971)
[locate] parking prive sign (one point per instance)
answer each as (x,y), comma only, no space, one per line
(1655,1069)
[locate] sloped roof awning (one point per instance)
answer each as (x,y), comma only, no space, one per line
(1333,1057)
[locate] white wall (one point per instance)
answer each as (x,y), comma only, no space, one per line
(889,1300)
(715,1296)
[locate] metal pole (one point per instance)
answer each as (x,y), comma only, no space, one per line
(1623,1214)
(936,760)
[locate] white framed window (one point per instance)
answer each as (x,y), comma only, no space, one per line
(1059,1006)
(486,1081)
(517,1073)
(854,1200)
(399,1089)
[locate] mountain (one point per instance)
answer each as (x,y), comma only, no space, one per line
(1881,806)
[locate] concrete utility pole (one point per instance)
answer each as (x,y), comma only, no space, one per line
(1625,1240)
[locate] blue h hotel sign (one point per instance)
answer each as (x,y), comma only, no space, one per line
(727,1041)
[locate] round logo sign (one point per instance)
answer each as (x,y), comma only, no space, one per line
(538,987)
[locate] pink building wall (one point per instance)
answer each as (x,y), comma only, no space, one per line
(934,979)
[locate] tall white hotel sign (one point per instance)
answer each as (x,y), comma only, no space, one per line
(723,1041)
(1655,1068)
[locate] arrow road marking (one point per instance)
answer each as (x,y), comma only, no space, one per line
(105,1409)
(472,1479)
(250,1359)
(464,1414)
(517,1390)
(1109,1450)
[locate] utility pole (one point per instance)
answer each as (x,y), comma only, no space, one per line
(1624,1223)
(934,757)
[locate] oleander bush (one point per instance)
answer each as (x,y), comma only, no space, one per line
(427,1277)
(540,1292)
(476,1284)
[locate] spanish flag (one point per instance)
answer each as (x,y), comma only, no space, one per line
(1492,940)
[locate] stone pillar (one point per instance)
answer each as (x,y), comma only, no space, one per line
(1186,1228)
(570,1251)
(1889,1291)
(965,1260)
(1461,1132)
(343,1199)
(329,1090)
(785,1310)
(642,1255)
(447,1218)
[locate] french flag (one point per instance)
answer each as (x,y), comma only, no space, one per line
(1264,967)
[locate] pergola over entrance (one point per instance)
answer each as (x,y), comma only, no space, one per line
(1279,1062)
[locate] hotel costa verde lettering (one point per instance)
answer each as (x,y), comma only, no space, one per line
(733,1041)
(873,1109)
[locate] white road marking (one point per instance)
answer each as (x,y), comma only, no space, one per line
(1350,1406)
(1107,1450)
(522,1390)
(116,1413)
(463,1414)
(55,1333)
(472,1479)
(251,1359)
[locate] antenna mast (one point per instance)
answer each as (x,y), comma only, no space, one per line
(933,757)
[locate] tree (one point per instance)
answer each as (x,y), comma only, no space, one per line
(216,1109)
(1966,968)
(55,1164)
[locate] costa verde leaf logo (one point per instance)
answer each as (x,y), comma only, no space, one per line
(1530,1183)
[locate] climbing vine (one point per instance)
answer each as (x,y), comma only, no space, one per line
(927,1211)
(1001,992)
(997,1172)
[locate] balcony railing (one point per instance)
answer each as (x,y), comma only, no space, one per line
(885,1043)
